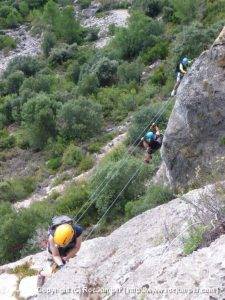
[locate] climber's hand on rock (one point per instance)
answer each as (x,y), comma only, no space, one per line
(65,259)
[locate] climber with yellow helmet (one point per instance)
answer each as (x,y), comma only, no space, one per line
(64,241)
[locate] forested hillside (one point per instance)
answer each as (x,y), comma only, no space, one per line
(59,108)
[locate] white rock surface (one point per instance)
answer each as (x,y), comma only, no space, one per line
(28,287)
(118,17)
(26,45)
(8,286)
(145,252)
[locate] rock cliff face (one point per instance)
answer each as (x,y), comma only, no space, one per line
(146,253)
(194,138)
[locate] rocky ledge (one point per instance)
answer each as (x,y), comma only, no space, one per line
(145,255)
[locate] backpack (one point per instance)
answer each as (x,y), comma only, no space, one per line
(59,220)
(177,69)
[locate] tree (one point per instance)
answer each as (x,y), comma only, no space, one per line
(88,85)
(141,33)
(14,82)
(186,10)
(80,119)
(62,22)
(71,30)
(128,72)
(39,118)
(73,71)
(125,172)
(150,7)
(27,64)
(48,43)
(106,70)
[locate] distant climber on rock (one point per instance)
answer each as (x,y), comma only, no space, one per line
(181,70)
(64,241)
(152,141)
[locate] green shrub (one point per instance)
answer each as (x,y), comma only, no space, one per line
(141,33)
(84,3)
(27,64)
(35,3)
(48,42)
(185,42)
(154,196)
(159,76)
(112,100)
(54,163)
(14,82)
(214,11)
(16,189)
(150,7)
(61,21)
(12,108)
(116,184)
(13,19)
(168,14)
(143,118)
(4,11)
(194,240)
(88,85)
(128,72)
(186,10)
(62,53)
(86,163)
(80,119)
(39,83)
(24,270)
(92,34)
(6,141)
(3,88)
(23,8)
(73,71)
(159,51)
(112,29)
(71,202)
(22,140)
(39,118)
(72,156)
(7,42)
(17,228)
(105,70)
(109,4)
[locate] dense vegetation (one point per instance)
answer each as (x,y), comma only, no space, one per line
(61,102)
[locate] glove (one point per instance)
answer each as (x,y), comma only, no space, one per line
(60,267)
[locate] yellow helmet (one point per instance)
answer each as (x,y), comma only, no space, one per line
(63,235)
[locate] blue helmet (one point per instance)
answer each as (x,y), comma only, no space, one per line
(185,61)
(150,136)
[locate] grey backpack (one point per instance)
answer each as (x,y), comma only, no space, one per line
(59,220)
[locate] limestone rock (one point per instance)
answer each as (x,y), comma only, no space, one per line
(145,255)
(193,141)
(8,286)
(28,287)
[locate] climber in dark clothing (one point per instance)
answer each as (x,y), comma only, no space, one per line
(64,241)
(152,141)
(181,70)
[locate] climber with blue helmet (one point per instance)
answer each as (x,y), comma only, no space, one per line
(181,70)
(152,141)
